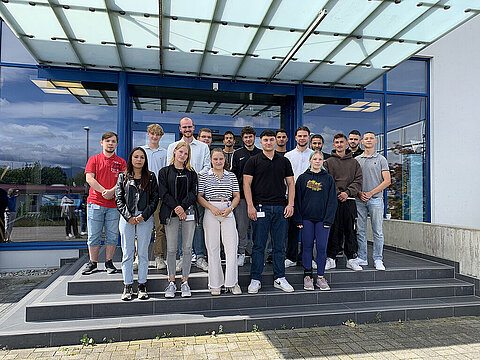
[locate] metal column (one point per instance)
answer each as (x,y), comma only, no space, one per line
(124,116)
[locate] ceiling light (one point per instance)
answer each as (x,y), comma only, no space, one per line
(77,91)
(43,83)
(68,84)
(359,103)
(371,109)
(351,109)
(56,91)
(376,104)
(321,15)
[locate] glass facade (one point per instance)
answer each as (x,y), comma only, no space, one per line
(46,126)
(397,112)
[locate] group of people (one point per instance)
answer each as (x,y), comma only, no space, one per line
(199,199)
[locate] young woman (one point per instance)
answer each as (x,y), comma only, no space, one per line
(10,213)
(178,191)
(136,196)
(315,207)
(219,194)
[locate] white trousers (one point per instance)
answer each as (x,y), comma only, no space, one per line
(214,226)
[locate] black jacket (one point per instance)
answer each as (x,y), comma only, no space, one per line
(126,193)
(167,185)
(315,198)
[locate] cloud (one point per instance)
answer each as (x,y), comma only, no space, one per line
(28,130)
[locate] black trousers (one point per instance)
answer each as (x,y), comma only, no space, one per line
(292,243)
(343,227)
(2,225)
(71,224)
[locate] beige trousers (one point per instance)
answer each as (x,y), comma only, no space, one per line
(214,226)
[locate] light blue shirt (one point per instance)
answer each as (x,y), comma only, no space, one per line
(157,159)
(200,159)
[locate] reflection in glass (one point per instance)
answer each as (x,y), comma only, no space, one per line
(409,76)
(328,119)
(43,152)
(406,154)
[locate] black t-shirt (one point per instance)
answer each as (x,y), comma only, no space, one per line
(268,184)
(181,186)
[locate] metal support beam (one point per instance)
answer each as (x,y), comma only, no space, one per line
(68,31)
(189,106)
(298,112)
(212,33)
(160,35)
(272,9)
(116,35)
(263,110)
(345,41)
(214,108)
(138,105)
(106,97)
(124,116)
(398,34)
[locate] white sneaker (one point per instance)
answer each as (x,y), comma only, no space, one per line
(353,264)
(314,265)
(379,265)
(289,263)
(83,233)
(160,263)
(70,236)
(282,284)
(361,262)
(178,265)
(202,264)
(241,259)
(330,264)
(254,286)
(135,264)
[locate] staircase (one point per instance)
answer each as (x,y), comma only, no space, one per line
(69,305)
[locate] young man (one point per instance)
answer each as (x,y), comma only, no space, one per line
(316,143)
(299,158)
(228,150)
(264,179)
(101,174)
(205,136)
(239,160)
(281,138)
(200,161)
(354,138)
(348,181)
(376,178)
(3,206)
(157,159)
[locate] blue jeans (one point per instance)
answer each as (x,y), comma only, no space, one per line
(274,222)
(144,234)
(374,208)
(83,220)
(99,217)
(199,237)
(314,232)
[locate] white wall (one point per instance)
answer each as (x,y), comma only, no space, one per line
(455,126)
(34,259)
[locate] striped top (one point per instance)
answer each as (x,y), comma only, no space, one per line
(214,188)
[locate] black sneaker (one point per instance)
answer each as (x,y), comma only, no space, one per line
(142,292)
(111,269)
(127,293)
(89,268)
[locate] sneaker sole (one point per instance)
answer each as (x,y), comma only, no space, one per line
(253,291)
(169,296)
(279,287)
(308,289)
(324,289)
(89,272)
(186,295)
(110,272)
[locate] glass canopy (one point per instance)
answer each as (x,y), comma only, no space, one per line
(267,40)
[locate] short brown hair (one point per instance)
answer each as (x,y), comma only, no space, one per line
(204,130)
(155,129)
(248,130)
(340,135)
(108,135)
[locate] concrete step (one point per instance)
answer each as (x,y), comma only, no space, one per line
(110,305)
(102,283)
(56,333)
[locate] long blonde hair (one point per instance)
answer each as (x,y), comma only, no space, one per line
(187,162)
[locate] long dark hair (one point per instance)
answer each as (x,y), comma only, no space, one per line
(145,179)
